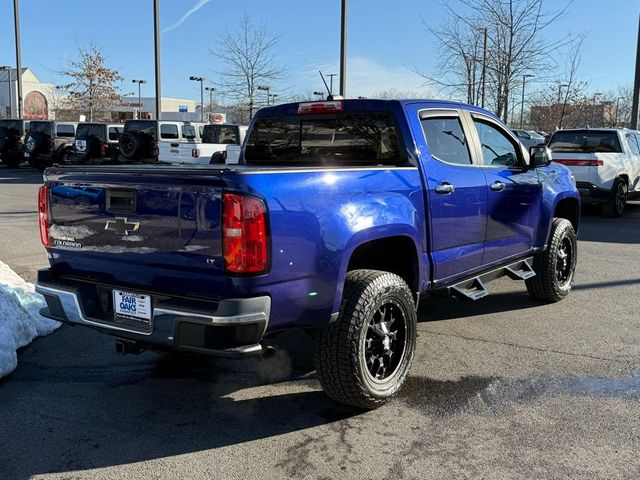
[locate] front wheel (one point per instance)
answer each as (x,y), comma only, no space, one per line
(555,267)
(363,358)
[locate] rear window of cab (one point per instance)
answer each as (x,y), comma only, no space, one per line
(325,140)
(585,141)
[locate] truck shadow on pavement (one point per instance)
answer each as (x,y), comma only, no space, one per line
(92,409)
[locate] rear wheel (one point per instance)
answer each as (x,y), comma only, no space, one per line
(555,267)
(618,200)
(363,358)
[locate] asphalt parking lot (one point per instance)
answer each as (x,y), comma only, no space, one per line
(501,388)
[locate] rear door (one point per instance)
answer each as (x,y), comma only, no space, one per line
(514,192)
(457,194)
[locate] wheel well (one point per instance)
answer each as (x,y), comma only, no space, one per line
(393,254)
(625,178)
(568,208)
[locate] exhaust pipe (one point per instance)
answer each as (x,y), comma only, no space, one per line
(268,351)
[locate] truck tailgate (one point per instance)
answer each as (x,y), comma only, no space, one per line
(152,225)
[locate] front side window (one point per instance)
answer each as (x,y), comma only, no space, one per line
(446,140)
(169,131)
(498,149)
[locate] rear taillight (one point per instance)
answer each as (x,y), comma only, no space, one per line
(244,234)
(320,107)
(43,215)
(580,163)
(51,144)
(195,152)
(154,149)
(104,148)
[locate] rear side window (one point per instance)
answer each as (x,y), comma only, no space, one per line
(115,132)
(326,139)
(13,126)
(446,140)
(227,134)
(585,141)
(169,131)
(89,129)
(63,130)
(633,143)
(188,132)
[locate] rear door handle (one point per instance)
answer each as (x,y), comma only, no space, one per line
(445,188)
(497,186)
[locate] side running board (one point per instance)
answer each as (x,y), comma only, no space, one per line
(474,289)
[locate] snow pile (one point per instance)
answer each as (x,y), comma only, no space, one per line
(20,321)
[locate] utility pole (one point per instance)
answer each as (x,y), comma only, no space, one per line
(484,66)
(16,22)
(156,37)
(524,81)
(635,114)
(343,51)
(331,75)
(561,108)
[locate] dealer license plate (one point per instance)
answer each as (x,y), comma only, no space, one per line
(132,305)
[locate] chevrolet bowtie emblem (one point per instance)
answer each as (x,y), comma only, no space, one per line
(121,226)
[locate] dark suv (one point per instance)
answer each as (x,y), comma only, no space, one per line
(139,141)
(48,142)
(11,140)
(96,142)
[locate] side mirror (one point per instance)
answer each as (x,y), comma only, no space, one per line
(540,156)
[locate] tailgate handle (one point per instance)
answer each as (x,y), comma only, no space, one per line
(121,200)
(175,144)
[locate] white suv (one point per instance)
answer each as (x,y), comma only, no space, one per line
(605,163)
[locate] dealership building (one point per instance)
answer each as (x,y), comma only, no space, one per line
(41,100)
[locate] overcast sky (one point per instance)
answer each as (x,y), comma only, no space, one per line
(386,39)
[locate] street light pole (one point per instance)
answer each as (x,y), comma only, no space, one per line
(273,98)
(16,21)
(265,88)
(524,81)
(319,94)
(210,90)
(331,75)
(7,69)
(139,82)
(156,37)
(201,80)
(593,108)
(343,50)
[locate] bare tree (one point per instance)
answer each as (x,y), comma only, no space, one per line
(515,47)
(248,56)
(93,88)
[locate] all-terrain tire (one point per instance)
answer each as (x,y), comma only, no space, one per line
(617,202)
(343,349)
(555,266)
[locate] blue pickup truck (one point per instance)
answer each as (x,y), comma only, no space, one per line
(340,217)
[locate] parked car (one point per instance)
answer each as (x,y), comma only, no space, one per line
(529,138)
(342,215)
(96,142)
(48,142)
(141,139)
(215,141)
(604,162)
(12,131)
